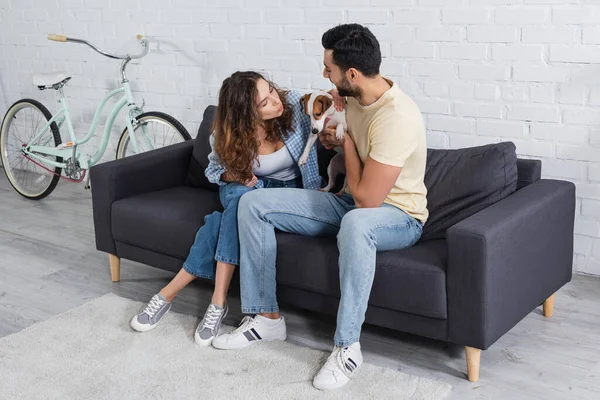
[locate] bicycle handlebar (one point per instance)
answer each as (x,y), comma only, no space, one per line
(57,38)
(143,42)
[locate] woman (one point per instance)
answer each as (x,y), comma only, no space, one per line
(259,134)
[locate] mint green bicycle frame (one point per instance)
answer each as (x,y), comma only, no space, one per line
(63,115)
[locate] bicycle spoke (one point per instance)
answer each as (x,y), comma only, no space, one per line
(151,133)
(25,121)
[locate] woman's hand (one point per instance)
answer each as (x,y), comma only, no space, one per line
(251,182)
(338,101)
(225,177)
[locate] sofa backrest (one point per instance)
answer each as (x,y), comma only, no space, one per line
(462,182)
(529,172)
(199,160)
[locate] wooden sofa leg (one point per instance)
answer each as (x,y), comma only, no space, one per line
(548,307)
(473,357)
(115,267)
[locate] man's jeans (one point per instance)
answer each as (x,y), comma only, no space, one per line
(217,239)
(361,232)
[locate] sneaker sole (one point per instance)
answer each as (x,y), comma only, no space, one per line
(225,347)
(146,327)
(330,386)
(136,326)
(201,342)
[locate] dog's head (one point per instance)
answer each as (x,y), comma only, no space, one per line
(318,106)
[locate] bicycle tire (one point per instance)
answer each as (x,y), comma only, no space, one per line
(148,116)
(6,123)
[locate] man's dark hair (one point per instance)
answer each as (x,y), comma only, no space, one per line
(354,46)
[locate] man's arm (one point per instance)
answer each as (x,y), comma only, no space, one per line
(369,185)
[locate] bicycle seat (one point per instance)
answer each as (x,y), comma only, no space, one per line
(50,81)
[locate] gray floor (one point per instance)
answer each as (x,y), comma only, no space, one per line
(49,265)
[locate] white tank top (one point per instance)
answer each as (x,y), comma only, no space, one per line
(278,165)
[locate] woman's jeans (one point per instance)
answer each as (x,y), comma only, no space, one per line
(218,239)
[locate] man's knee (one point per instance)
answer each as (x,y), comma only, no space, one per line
(245,206)
(253,204)
(355,224)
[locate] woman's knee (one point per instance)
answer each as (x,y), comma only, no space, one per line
(232,192)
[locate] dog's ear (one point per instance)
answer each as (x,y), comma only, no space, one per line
(304,103)
(326,102)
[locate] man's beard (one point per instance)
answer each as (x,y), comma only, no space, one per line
(345,90)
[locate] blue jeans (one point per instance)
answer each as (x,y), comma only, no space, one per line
(361,232)
(218,239)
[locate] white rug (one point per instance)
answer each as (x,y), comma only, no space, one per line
(92,353)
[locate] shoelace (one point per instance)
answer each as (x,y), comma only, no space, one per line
(335,361)
(211,317)
(246,323)
(153,306)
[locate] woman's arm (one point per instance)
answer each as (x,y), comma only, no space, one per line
(298,115)
(216,172)
(339,101)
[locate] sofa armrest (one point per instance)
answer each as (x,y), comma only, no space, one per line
(147,172)
(507,259)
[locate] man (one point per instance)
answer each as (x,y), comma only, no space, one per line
(385,207)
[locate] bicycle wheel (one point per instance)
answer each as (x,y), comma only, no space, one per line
(158,128)
(22,122)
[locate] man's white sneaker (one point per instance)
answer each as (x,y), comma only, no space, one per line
(339,367)
(251,330)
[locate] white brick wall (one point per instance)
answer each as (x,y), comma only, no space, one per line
(483,71)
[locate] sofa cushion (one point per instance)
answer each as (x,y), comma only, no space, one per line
(464,181)
(199,160)
(529,171)
(411,280)
(165,221)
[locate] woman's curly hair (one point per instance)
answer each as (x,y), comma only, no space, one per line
(237,120)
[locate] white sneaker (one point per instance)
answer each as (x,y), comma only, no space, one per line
(208,328)
(251,330)
(339,367)
(151,315)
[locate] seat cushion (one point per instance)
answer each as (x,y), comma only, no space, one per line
(411,280)
(164,221)
(199,160)
(463,182)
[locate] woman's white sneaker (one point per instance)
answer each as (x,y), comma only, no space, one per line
(208,328)
(252,330)
(151,314)
(339,367)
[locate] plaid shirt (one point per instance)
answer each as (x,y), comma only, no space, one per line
(295,143)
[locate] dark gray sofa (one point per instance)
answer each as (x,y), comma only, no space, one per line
(498,244)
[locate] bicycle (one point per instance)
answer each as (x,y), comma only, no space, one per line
(34,157)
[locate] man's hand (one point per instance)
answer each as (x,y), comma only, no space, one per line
(329,140)
(338,101)
(251,182)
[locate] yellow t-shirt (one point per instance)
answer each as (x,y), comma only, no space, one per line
(391,131)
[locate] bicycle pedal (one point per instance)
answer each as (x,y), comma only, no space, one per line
(66,145)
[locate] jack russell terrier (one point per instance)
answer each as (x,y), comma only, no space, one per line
(320,108)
